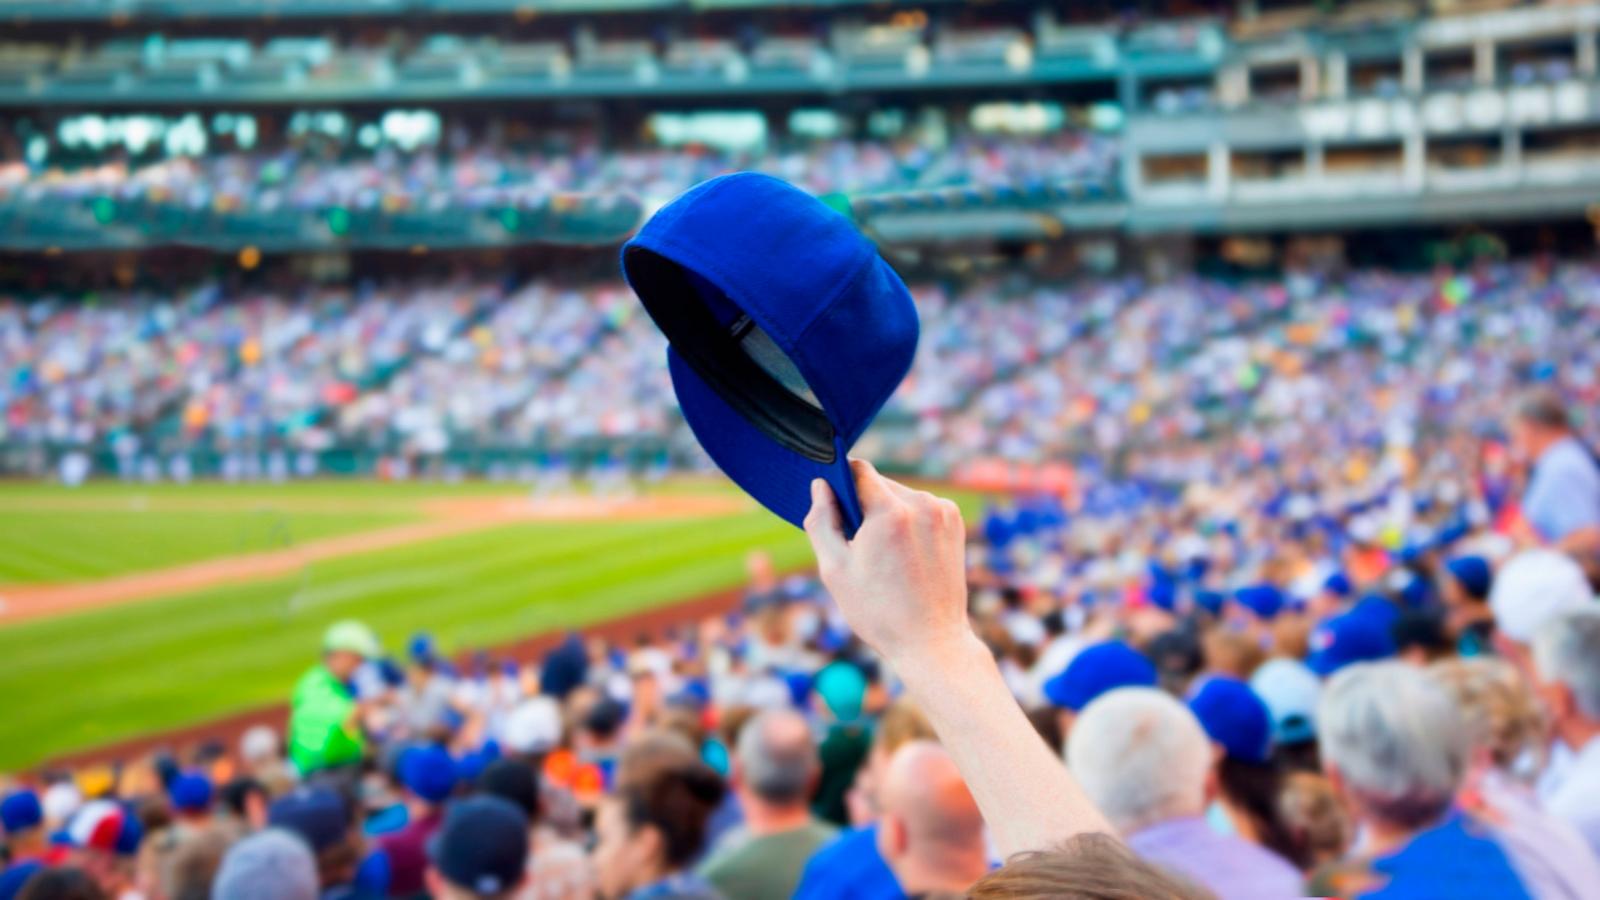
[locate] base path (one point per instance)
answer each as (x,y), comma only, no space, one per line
(444,518)
(227,730)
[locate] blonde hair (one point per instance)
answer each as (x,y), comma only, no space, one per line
(902,723)
(1087,867)
(1502,713)
(1318,825)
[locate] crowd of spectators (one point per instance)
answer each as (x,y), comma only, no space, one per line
(1314,616)
(1145,386)
(478,175)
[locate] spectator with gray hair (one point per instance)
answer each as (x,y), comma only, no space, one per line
(775,771)
(1566,654)
(271,865)
(1506,724)
(1562,502)
(1146,763)
(1395,746)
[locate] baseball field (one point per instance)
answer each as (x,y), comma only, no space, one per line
(130,610)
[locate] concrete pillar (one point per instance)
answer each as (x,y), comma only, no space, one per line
(1586,53)
(1413,166)
(1483,62)
(1411,69)
(1511,149)
(1219,174)
(1315,162)
(1337,84)
(1310,78)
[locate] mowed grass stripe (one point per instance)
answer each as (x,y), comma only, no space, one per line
(114,673)
(75,545)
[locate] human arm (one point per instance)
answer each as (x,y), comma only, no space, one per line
(901,584)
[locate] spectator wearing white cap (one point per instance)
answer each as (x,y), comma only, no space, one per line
(1507,726)
(1395,747)
(1530,589)
(1566,654)
(1145,761)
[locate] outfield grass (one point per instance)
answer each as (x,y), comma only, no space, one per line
(99,676)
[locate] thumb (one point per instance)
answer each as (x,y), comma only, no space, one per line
(822,524)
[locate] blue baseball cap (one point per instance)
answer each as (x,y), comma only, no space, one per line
(482,846)
(1473,574)
(1235,717)
(788,332)
(428,772)
(20,811)
(1096,669)
(1263,600)
(190,792)
(317,814)
(1349,638)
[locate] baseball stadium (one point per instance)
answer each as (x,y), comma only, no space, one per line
(748,449)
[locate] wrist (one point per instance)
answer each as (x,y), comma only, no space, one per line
(930,664)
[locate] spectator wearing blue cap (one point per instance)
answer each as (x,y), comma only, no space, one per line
(22,817)
(322,818)
(1464,589)
(428,775)
(480,853)
(1252,609)
(1146,762)
(424,701)
(1353,637)
(1395,746)
(190,795)
(1095,670)
(1239,725)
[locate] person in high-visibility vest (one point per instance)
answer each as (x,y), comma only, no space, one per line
(325,716)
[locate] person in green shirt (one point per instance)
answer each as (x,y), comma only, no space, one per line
(775,771)
(324,717)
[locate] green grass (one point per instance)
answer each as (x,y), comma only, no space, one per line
(99,676)
(59,545)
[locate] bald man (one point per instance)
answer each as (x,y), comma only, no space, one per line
(931,833)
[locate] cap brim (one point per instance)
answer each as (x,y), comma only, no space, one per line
(779,478)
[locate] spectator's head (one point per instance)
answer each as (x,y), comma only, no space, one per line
(1530,589)
(1228,652)
(346,645)
(931,833)
(1566,655)
(1352,637)
(1141,757)
(654,827)
(514,781)
(602,723)
(532,729)
(1095,670)
(1317,826)
(270,865)
(1393,743)
(1291,691)
(1420,637)
(104,838)
(190,795)
(260,747)
(1087,867)
(1234,718)
(775,767)
(190,869)
(321,818)
(842,689)
(1502,713)
(1467,581)
(245,800)
(1539,420)
(428,774)
(63,883)
(22,818)
(480,852)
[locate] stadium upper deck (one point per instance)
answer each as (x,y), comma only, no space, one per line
(1226,117)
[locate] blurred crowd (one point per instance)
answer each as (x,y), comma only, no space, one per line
(1145,387)
(479,175)
(1312,613)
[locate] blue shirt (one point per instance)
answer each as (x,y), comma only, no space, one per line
(1564,492)
(1456,859)
(850,868)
